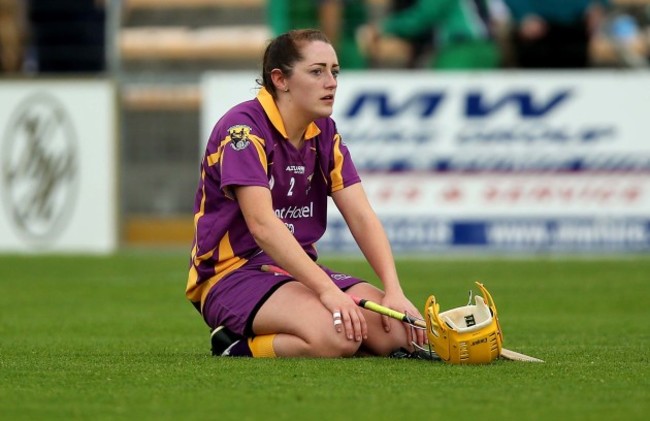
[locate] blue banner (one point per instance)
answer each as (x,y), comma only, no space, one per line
(510,235)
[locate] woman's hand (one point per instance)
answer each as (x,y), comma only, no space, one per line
(346,315)
(397,301)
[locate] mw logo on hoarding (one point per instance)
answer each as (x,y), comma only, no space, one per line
(474,104)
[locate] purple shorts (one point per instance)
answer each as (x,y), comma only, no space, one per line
(235,300)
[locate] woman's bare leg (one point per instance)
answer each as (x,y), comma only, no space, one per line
(304,327)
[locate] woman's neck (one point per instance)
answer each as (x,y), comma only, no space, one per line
(295,123)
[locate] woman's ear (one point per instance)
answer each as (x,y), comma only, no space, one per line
(279,80)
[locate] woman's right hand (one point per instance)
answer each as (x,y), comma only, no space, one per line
(343,308)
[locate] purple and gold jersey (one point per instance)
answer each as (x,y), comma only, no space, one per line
(249,147)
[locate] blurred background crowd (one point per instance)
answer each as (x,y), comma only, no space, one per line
(45,36)
(157,50)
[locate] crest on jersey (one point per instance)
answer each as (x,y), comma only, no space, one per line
(239,136)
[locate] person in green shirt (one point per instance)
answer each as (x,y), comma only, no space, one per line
(337,19)
(463,32)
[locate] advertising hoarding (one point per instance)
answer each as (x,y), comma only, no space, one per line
(516,161)
(58,180)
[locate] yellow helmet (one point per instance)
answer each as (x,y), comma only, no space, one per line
(465,335)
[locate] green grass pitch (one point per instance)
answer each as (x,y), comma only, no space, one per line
(113,338)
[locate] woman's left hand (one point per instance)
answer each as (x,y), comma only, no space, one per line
(399,302)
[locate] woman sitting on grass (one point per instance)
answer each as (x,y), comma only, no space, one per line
(269,167)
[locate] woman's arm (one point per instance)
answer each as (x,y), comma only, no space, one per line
(276,240)
(368,232)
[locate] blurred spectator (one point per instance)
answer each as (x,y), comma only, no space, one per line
(554,33)
(12,35)
(68,35)
(421,46)
(338,19)
(624,38)
(463,30)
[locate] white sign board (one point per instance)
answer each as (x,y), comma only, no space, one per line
(495,121)
(58,180)
(500,121)
(503,160)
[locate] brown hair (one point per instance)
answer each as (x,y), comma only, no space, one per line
(284,51)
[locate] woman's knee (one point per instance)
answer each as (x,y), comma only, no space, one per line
(385,344)
(333,345)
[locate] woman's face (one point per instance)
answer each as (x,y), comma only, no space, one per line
(313,82)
